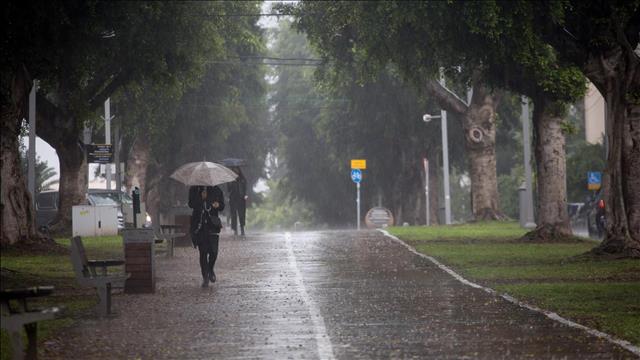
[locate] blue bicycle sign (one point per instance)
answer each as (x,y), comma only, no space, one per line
(356,175)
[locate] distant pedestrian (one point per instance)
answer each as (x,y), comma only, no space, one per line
(206,202)
(238,201)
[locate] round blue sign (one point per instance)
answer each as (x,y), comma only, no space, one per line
(356,175)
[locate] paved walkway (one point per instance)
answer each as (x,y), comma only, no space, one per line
(325,295)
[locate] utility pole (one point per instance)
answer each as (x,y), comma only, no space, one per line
(425,162)
(526,140)
(116,156)
(445,160)
(358,203)
(31,155)
(107,136)
(86,140)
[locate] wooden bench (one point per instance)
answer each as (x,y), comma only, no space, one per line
(87,274)
(169,232)
(16,315)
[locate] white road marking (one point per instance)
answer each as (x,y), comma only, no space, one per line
(325,349)
(551,315)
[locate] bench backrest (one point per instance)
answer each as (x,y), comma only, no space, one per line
(79,258)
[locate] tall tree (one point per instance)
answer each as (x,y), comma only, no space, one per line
(102,47)
(373,33)
(18,216)
(418,36)
(335,116)
(28,35)
(219,115)
(602,38)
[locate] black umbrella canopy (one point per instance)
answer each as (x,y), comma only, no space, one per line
(233,162)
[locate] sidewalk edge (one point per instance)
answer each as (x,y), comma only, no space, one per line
(551,315)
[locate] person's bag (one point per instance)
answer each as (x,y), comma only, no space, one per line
(216,223)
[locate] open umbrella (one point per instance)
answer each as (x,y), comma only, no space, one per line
(203,173)
(233,162)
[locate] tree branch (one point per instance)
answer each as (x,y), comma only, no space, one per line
(445,98)
(107,91)
(53,125)
(99,82)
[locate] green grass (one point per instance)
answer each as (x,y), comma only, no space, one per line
(23,270)
(494,230)
(599,293)
(609,307)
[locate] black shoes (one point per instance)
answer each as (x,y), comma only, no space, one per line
(212,277)
(205,283)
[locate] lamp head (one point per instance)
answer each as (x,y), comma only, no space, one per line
(428,117)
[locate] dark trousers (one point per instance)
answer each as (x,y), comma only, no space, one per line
(208,246)
(238,210)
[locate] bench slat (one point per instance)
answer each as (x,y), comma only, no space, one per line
(9,294)
(108,262)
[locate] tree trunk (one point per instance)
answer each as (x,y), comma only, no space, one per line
(18,220)
(153,194)
(553,218)
(73,182)
(137,163)
(62,131)
(617,75)
(480,136)
(480,144)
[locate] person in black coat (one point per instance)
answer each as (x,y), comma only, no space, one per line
(206,202)
(237,201)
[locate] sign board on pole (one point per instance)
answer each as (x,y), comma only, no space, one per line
(594,180)
(356,175)
(99,153)
(359,164)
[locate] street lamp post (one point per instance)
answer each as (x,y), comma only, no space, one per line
(426,191)
(528,217)
(31,155)
(445,161)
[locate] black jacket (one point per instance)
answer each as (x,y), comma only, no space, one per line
(197,204)
(237,190)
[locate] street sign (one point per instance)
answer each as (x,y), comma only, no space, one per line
(356,175)
(594,180)
(359,164)
(99,153)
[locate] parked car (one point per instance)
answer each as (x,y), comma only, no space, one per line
(47,205)
(593,213)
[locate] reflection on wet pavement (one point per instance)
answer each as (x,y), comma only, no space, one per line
(309,295)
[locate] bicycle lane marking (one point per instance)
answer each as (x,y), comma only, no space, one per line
(325,349)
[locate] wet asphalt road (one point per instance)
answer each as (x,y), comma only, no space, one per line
(310,295)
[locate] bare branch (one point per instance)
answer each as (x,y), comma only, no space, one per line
(108,90)
(446,98)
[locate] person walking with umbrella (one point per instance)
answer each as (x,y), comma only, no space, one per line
(206,200)
(238,201)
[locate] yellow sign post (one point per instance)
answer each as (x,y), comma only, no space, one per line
(359,164)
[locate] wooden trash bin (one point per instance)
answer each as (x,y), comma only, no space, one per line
(139,260)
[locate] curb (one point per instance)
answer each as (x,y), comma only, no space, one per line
(551,315)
